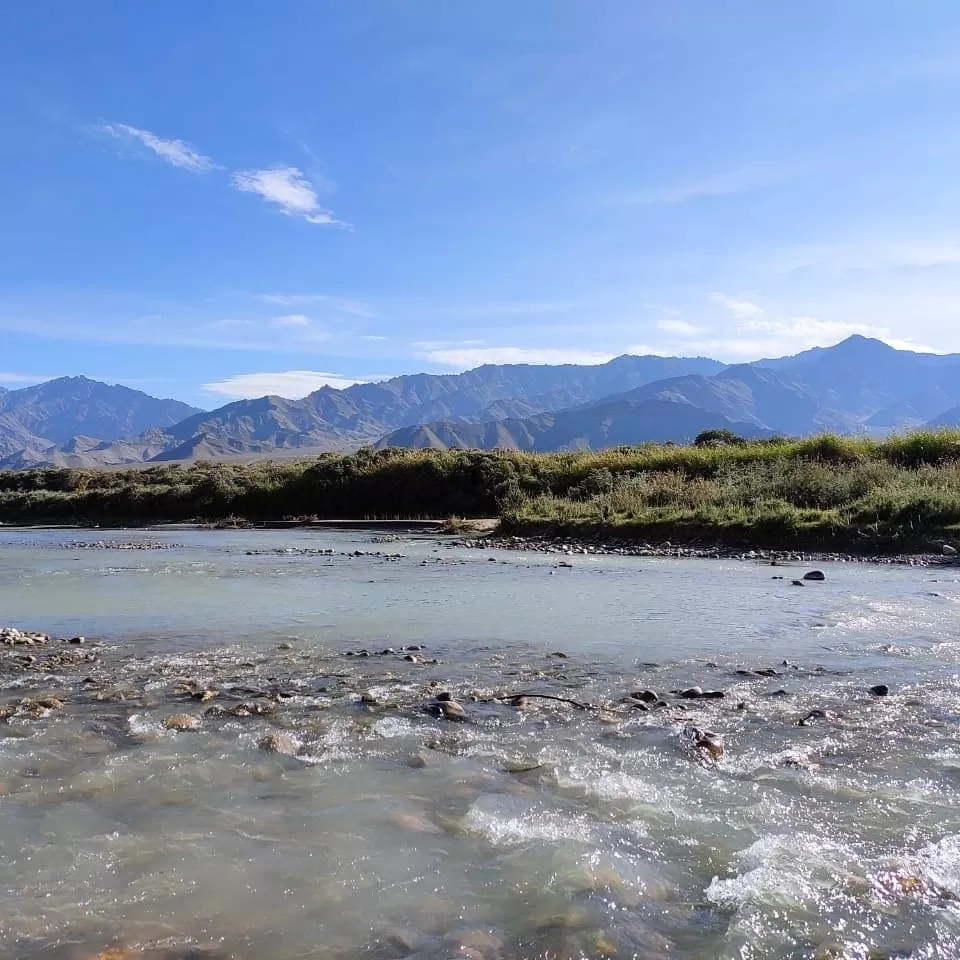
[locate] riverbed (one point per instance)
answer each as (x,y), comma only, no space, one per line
(249,755)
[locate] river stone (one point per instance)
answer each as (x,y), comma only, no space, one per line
(949,550)
(283,743)
(12,637)
(447,709)
(646,696)
(182,722)
(815,575)
(880,690)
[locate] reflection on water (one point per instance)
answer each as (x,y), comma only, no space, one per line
(250,756)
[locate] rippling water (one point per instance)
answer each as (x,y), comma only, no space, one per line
(532,828)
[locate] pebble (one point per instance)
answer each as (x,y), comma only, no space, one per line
(815,575)
(880,690)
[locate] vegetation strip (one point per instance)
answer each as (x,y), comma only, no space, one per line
(827,492)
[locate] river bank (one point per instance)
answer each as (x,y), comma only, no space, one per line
(599,545)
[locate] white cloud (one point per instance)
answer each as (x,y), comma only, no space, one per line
(175,152)
(678,327)
(231,323)
(289,189)
(292,320)
(20,378)
(467,357)
(743,310)
(751,333)
(292,384)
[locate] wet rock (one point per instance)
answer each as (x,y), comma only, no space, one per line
(559,654)
(880,690)
(285,646)
(414,647)
(815,575)
(707,742)
(796,583)
(444,696)
(411,658)
(949,550)
(646,696)
(815,715)
(446,709)
(766,672)
(696,693)
(368,699)
(414,822)
(480,943)
(12,637)
(283,743)
(182,722)
(77,640)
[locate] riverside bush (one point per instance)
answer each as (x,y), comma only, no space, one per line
(819,491)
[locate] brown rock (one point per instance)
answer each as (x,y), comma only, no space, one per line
(182,722)
(283,743)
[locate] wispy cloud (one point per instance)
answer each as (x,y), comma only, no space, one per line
(178,153)
(853,255)
(680,328)
(341,304)
(749,332)
(725,183)
(21,378)
(466,357)
(289,189)
(292,320)
(286,186)
(292,384)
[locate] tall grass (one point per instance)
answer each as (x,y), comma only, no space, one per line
(898,493)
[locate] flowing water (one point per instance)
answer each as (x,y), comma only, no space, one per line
(312,808)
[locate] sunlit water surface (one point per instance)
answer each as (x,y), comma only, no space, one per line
(530,830)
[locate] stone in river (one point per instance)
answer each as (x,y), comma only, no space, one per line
(696,693)
(815,575)
(285,744)
(949,550)
(816,715)
(182,722)
(646,696)
(448,709)
(12,637)
(880,690)
(796,583)
(444,696)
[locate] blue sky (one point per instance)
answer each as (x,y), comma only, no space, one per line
(222,199)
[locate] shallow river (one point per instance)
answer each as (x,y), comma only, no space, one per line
(310,806)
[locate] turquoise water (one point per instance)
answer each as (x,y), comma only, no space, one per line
(525,831)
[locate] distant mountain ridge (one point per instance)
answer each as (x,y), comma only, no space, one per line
(858,385)
(331,419)
(41,418)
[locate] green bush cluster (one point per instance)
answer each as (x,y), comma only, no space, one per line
(828,490)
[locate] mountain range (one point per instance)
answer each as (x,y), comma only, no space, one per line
(857,386)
